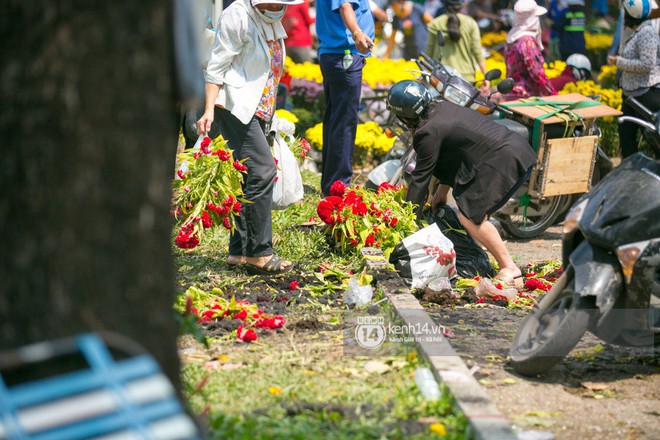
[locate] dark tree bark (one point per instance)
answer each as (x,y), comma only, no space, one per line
(88,135)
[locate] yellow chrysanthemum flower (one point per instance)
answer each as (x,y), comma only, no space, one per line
(285,114)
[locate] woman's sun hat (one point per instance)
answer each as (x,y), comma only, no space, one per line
(528,7)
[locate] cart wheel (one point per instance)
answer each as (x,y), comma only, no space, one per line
(539,216)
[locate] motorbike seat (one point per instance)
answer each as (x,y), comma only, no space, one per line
(514,126)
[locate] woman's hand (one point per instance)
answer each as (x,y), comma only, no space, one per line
(611,59)
(204,123)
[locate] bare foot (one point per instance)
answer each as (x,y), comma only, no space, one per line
(508,273)
(235,260)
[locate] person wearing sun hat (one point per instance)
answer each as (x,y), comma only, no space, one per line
(522,52)
(344,27)
(242,77)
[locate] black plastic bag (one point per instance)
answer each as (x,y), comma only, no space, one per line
(471,259)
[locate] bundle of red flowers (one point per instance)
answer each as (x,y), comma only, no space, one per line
(207,191)
(211,306)
(356,217)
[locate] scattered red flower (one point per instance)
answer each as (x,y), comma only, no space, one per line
(294,285)
(245,335)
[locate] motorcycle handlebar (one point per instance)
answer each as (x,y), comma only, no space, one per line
(641,109)
(638,121)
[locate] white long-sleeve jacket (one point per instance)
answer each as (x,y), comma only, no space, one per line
(240,61)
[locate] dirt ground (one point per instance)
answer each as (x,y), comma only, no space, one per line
(599,391)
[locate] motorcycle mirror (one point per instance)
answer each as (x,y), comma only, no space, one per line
(506,85)
(441,39)
(493,74)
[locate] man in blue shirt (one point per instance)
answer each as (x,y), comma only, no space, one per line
(341,25)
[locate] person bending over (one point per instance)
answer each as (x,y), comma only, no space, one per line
(483,162)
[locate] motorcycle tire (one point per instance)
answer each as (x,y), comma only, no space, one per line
(534,225)
(551,330)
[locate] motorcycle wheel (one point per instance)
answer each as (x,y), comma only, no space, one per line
(551,330)
(547,211)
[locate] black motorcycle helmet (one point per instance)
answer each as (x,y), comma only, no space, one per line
(408,100)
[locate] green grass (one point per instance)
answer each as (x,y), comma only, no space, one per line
(324,393)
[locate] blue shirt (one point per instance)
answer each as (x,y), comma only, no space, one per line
(333,35)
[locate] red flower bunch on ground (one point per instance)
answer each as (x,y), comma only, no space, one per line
(212,306)
(356,217)
(537,284)
(207,192)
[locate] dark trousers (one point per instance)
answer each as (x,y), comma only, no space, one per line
(628,130)
(253,236)
(342,99)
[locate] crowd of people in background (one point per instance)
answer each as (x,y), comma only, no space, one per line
(254,37)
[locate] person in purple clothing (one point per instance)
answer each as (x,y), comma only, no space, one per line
(343,27)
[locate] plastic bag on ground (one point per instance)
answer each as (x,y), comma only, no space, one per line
(486,289)
(471,259)
(358,295)
(424,256)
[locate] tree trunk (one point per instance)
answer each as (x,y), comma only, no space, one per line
(88,133)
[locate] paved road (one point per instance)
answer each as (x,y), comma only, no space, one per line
(598,392)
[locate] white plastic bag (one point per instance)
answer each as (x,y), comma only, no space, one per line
(424,256)
(288,183)
(358,295)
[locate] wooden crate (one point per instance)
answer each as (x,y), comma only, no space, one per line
(564,166)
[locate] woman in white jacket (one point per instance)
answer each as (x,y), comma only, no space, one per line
(241,87)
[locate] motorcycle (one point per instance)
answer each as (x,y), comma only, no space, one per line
(611,255)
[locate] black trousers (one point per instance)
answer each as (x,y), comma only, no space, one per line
(253,236)
(628,131)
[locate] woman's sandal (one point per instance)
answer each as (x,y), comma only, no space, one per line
(272,267)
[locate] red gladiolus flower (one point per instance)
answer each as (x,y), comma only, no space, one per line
(305,145)
(206,220)
(385,186)
(535,283)
(239,166)
(531,274)
(229,201)
(242,315)
(226,223)
(204,146)
(245,335)
(186,239)
(303,154)
(360,208)
(197,155)
(354,241)
(293,285)
(393,222)
(223,155)
(237,207)
(370,240)
(480,301)
(338,189)
(181,174)
(325,209)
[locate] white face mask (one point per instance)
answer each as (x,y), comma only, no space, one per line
(271,16)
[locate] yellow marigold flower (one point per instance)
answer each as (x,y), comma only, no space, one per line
(493,38)
(275,390)
(438,428)
(597,42)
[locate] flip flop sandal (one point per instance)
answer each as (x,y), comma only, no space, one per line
(272,267)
